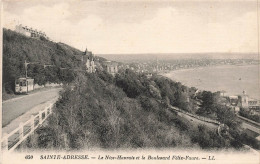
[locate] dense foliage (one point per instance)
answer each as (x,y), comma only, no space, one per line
(18,48)
(99,114)
(97,111)
(245,113)
(211,106)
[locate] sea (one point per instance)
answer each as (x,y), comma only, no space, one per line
(233,79)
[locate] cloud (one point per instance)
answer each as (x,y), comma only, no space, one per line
(239,35)
(48,19)
(170,30)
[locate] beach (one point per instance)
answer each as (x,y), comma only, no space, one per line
(231,78)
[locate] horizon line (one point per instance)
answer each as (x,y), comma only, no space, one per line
(178,53)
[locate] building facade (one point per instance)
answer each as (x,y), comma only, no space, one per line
(29,32)
(244,100)
(90,61)
(112,67)
(233,100)
(247,102)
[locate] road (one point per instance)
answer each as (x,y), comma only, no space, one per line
(194,120)
(13,108)
(197,122)
(249,126)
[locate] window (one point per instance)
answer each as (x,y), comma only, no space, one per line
(23,83)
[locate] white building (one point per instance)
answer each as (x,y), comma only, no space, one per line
(90,63)
(111,67)
(29,32)
(250,103)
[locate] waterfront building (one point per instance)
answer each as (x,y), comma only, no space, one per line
(244,100)
(250,103)
(254,106)
(233,100)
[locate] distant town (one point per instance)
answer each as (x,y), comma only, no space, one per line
(163,66)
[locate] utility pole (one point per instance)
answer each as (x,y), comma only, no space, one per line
(25,65)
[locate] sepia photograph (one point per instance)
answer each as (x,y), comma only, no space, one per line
(130,81)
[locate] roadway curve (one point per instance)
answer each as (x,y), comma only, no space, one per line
(13,108)
(195,121)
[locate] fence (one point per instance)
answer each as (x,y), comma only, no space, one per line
(13,139)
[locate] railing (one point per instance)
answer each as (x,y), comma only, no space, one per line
(13,139)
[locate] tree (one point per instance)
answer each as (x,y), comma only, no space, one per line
(130,83)
(209,102)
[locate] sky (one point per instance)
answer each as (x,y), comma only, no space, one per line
(119,27)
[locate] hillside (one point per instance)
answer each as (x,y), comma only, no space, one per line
(18,48)
(128,110)
(98,114)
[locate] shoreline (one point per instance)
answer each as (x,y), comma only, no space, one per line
(211,89)
(212,66)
